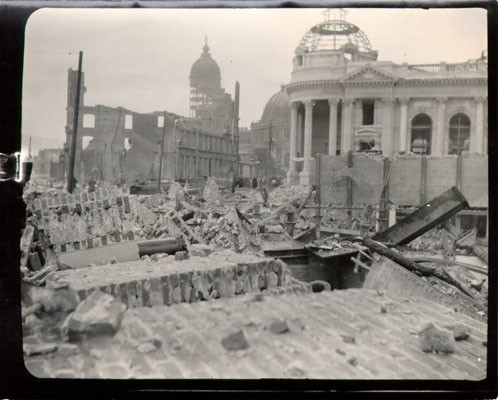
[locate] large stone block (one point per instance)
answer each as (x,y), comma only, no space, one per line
(98,314)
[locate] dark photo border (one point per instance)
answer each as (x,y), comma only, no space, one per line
(16,382)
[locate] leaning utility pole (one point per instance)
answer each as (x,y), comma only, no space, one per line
(269,150)
(162,155)
(72,155)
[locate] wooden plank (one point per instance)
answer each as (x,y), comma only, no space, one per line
(423,181)
(424,218)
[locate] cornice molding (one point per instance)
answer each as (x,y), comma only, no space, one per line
(295,87)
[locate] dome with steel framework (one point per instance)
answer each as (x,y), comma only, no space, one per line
(205,72)
(277,108)
(335,33)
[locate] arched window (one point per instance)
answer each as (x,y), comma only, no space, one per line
(459,134)
(421,134)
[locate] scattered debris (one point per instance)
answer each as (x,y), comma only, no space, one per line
(278,326)
(433,339)
(38,348)
(348,339)
(353,361)
(235,341)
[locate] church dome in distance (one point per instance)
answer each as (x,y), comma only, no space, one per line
(277,108)
(205,72)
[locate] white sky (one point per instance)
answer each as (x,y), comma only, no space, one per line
(141,59)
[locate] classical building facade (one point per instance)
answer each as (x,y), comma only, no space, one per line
(344,99)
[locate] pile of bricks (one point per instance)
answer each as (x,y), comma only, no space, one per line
(282,194)
(79,221)
(166,281)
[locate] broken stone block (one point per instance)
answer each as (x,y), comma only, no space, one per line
(433,339)
(98,314)
(278,327)
(235,341)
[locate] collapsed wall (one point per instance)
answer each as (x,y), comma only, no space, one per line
(168,281)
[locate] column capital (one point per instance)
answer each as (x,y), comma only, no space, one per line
(387,100)
(295,104)
(347,101)
(442,100)
(403,100)
(309,103)
(480,99)
(333,102)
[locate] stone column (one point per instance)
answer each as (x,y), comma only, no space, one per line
(479,131)
(333,127)
(439,147)
(300,149)
(403,125)
(386,140)
(306,176)
(292,175)
(347,129)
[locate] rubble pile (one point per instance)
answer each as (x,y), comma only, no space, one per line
(283,194)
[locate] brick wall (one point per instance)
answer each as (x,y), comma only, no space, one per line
(166,282)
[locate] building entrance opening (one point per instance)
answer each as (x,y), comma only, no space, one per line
(421,134)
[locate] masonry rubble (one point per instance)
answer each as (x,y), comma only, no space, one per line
(63,303)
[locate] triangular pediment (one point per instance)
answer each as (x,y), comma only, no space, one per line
(368,73)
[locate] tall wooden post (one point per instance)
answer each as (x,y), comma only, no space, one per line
(349,199)
(270,140)
(72,155)
(318,197)
(162,155)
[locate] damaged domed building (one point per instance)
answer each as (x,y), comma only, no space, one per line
(269,135)
(343,98)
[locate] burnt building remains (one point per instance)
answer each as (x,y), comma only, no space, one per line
(116,144)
